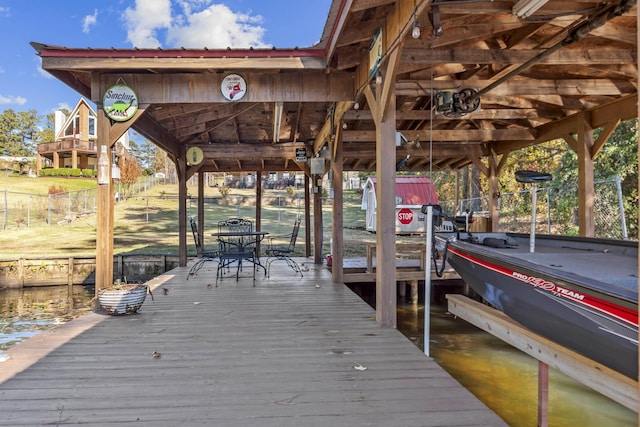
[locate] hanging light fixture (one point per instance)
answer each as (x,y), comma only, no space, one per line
(415,32)
(379,78)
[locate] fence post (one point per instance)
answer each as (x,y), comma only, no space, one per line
(5,213)
(623,221)
(548,211)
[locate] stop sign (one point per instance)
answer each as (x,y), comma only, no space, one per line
(405,216)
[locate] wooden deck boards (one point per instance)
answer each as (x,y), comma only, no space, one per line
(282,353)
(356,270)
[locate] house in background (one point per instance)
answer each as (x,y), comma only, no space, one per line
(411,193)
(75,145)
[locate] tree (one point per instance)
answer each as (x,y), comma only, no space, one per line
(19,132)
(130,172)
(10,141)
(146,154)
(47,133)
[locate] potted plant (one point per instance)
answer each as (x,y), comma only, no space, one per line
(122,298)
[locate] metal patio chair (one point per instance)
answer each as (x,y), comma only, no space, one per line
(204,255)
(236,246)
(281,248)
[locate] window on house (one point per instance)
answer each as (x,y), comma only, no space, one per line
(74,127)
(92,126)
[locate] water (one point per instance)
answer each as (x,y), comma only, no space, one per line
(26,312)
(504,378)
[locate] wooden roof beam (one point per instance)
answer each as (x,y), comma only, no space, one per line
(464,135)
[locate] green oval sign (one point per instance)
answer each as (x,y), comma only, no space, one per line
(120,103)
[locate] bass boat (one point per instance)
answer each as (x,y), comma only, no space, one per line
(581,293)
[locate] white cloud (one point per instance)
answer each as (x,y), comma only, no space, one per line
(144,22)
(89,21)
(12,100)
(217,27)
(193,24)
(63,106)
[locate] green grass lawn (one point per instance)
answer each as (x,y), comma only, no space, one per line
(147,222)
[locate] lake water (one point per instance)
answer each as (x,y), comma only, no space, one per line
(504,378)
(26,312)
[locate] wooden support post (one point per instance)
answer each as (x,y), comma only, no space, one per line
(414,292)
(402,289)
(337,213)
(105,214)
(258,209)
(181,170)
(543,394)
(120,263)
(381,99)
(307,216)
(200,218)
(70,283)
(317,227)
(494,190)
(586,186)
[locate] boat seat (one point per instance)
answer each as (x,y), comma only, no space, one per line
(528,177)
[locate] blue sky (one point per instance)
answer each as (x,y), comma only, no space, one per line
(140,23)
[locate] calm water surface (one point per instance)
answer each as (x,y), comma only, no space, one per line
(506,379)
(26,312)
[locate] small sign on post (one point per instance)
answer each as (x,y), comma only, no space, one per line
(405,216)
(301,155)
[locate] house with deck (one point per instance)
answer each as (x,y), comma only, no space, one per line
(75,141)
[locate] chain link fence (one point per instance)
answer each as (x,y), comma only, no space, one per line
(557,210)
(28,209)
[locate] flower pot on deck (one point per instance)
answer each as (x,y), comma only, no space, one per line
(122,299)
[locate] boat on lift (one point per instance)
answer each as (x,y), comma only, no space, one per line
(580,292)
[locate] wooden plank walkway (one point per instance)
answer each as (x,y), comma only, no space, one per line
(361,269)
(287,352)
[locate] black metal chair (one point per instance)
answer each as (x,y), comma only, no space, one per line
(239,246)
(201,253)
(283,247)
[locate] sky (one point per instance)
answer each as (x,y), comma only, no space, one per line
(166,24)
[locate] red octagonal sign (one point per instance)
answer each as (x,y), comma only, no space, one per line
(405,216)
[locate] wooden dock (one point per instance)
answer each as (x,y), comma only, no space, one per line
(287,352)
